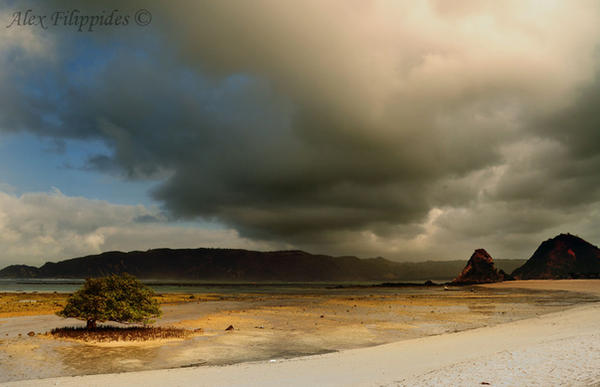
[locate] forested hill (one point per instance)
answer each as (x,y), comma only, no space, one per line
(242,265)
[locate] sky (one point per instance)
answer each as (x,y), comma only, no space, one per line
(412,130)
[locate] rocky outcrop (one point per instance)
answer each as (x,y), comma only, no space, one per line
(480,269)
(564,256)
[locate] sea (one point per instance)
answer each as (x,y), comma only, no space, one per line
(39,285)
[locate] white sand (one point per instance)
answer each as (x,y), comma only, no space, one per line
(556,349)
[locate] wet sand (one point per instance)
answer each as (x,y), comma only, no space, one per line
(276,326)
(584,286)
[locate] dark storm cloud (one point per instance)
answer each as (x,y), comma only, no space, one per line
(558,168)
(368,128)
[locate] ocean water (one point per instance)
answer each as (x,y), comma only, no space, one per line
(40,285)
(160,286)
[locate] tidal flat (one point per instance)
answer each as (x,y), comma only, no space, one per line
(268,325)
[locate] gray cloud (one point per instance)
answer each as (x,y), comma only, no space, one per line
(411,130)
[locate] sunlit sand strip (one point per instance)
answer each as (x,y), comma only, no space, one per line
(554,349)
(591,286)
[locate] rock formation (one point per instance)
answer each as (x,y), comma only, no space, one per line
(564,256)
(480,269)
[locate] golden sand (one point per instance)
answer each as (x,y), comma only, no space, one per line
(30,304)
(268,326)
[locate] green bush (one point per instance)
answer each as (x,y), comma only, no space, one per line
(119,298)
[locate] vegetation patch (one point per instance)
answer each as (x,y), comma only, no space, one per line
(120,298)
(26,304)
(112,334)
(13,304)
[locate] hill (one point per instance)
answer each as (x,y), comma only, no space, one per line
(240,265)
(480,269)
(564,256)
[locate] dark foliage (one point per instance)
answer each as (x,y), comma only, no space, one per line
(119,298)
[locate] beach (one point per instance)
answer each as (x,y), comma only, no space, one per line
(300,193)
(550,348)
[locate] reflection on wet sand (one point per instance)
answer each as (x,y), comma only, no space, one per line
(274,326)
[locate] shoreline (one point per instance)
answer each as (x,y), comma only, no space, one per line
(410,362)
(587,286)
(557,347)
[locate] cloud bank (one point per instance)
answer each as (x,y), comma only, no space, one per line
(411,130)
(40,227)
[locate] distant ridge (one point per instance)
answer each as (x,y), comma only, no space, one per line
(564,256)
(241,265)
